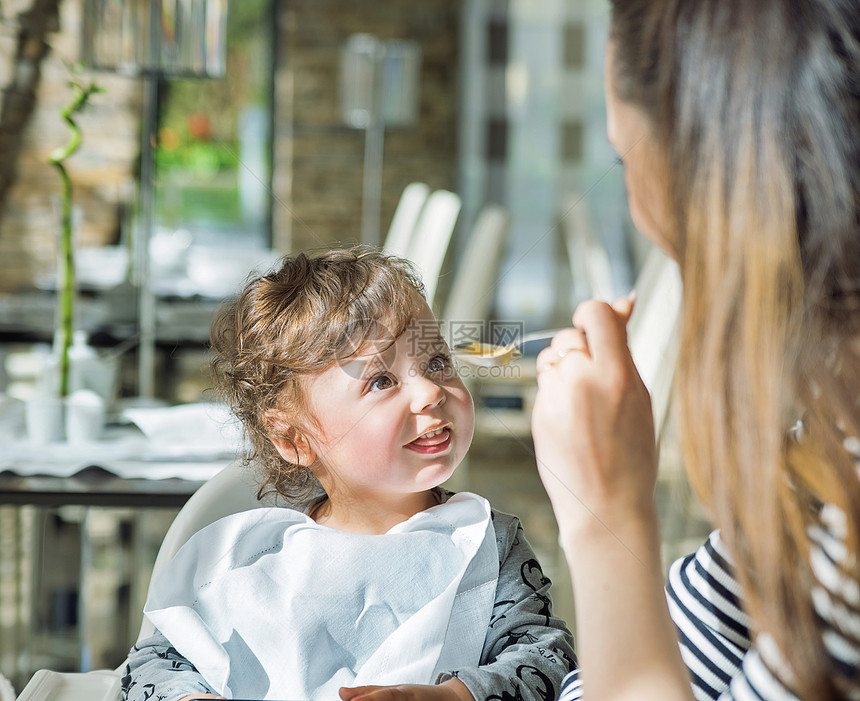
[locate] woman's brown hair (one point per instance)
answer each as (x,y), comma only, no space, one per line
(756,108)
(313,312)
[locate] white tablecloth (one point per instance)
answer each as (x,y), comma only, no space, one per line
(191,441)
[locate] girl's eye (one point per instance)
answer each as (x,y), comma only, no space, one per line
(381,382)
(439,363)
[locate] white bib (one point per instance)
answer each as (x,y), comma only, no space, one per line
(268,604)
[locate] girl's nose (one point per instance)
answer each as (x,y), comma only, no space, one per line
(426,394)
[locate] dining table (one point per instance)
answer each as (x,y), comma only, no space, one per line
(147,462)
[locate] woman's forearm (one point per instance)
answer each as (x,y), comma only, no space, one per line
(597,458)
(626,642)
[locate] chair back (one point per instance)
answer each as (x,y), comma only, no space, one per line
(405,218)
(473,290)
(230,491)
(652,331)
(432,235)
(7,692)
(590,267)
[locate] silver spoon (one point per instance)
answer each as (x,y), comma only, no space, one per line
(493,355)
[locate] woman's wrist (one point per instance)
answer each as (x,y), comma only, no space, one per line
(636,528)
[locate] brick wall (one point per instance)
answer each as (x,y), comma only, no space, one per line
(319,161)
(38,43)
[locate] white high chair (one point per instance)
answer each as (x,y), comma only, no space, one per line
(231,490)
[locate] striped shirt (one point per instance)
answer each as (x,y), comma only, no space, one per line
(705,602)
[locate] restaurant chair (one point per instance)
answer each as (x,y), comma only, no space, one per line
(473,290)
(429,242)
(412,201)
(584,266)
(652,331)
(7,693)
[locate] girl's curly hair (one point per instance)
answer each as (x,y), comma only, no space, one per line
(313,312)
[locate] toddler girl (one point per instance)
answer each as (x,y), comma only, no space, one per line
(375,575)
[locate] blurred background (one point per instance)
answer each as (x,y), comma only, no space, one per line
(466,134)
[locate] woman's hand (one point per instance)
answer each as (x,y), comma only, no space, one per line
(592,423)
(597,457)
(451,690)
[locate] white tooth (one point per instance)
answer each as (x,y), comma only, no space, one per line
(430,434)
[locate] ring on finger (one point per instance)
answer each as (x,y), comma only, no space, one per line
(561,354)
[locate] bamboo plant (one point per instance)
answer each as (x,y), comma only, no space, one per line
(66,281)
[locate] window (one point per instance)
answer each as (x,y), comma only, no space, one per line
(213,161)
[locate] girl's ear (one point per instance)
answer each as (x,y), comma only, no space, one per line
(289,441)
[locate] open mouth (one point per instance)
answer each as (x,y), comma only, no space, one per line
(434,441)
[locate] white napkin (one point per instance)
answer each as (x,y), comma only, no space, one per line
(268,604)
(199,429)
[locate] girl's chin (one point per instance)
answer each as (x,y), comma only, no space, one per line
(443,475)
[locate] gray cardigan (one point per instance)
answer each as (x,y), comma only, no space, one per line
(527,651)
